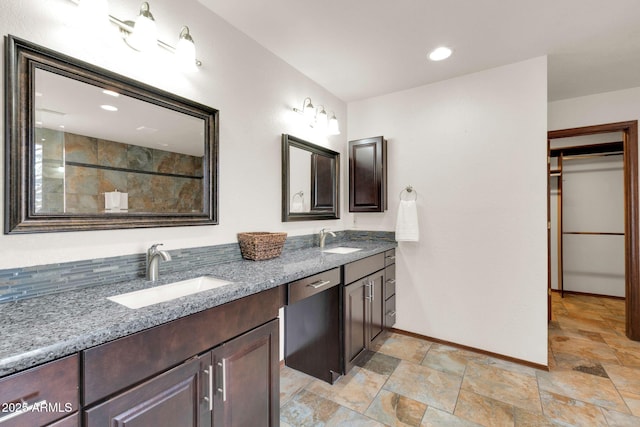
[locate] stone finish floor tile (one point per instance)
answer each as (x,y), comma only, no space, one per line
(449,359)
(308,409)
(291,382)
(355,390)
(567,411)
(437,418)
(346,417)
(396,410)
(403,347)
(426,385)
(616,419)
(514,388)
(378,362)
(484,410)
(584,387)
(593,379)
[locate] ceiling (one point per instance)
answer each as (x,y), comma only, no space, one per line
(357,49)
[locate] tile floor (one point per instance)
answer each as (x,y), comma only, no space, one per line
(594,380)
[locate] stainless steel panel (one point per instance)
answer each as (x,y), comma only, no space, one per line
(312,285)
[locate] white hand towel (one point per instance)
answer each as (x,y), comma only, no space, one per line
(407,229)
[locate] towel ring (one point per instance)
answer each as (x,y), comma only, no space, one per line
(299,194)
(410,191)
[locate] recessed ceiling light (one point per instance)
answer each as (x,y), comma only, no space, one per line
(111,93)
(109,107)
(440,53)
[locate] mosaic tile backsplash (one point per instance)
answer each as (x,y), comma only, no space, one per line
(29,282)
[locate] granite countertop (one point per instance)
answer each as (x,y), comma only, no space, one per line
(46,328)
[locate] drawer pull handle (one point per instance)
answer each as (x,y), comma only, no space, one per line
(319,284)
(23,411)
(223,388)
(391,313)
(391,281)
(209,398)
(391,257)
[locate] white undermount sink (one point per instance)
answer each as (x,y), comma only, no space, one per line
(168,292)
(342,250)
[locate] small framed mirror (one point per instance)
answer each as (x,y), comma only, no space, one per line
(310,181)
(88,149)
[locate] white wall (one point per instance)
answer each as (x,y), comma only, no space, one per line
(474,148)
(609,107)
(254,91)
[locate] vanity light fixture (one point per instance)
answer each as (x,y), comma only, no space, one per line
(440,53)
(318,117)
(141,35)
(186,49)
(333,127)
(144,36)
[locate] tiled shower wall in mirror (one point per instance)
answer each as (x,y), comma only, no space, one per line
(74,171)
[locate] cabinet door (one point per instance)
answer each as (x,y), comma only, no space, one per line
(367,175)
(375,306)
(355,331)
(247,379)
(41,395)
(167,400)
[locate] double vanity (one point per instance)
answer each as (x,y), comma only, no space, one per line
(208,358)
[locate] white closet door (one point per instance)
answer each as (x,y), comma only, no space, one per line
(593,202)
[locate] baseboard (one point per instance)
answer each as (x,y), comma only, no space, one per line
(587,294)
(475,350)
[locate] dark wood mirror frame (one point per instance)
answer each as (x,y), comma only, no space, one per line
(320,209)
(22,58)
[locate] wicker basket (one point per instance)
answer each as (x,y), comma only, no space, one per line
(261,245)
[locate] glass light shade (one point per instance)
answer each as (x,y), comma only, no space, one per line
(309,110)
(334,129)
(322,119)
(186,51)
(144,37)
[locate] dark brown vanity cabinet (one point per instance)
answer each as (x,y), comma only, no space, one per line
(364,306)
(217,367)
(235,384)
(389,288)
(45,395)
(368,175)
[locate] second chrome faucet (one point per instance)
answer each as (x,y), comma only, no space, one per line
(153,261)
(323,235)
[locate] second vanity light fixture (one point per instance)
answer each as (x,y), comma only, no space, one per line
(142,34)
(318,117)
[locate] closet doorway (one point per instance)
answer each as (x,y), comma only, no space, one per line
(602,157)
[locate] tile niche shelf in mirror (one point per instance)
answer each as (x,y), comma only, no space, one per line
(113,134)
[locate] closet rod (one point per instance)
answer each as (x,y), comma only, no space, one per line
(586,156)
(593,233)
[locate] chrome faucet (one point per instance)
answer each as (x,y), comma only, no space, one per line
(153,261)
(323,236)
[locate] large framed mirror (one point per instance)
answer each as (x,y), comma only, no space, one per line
(88,149)
(310,181)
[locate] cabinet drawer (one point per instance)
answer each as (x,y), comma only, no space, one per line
(41,395)
(364,267)
(389,281)
(312,285)
(390,257)
(390,312)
